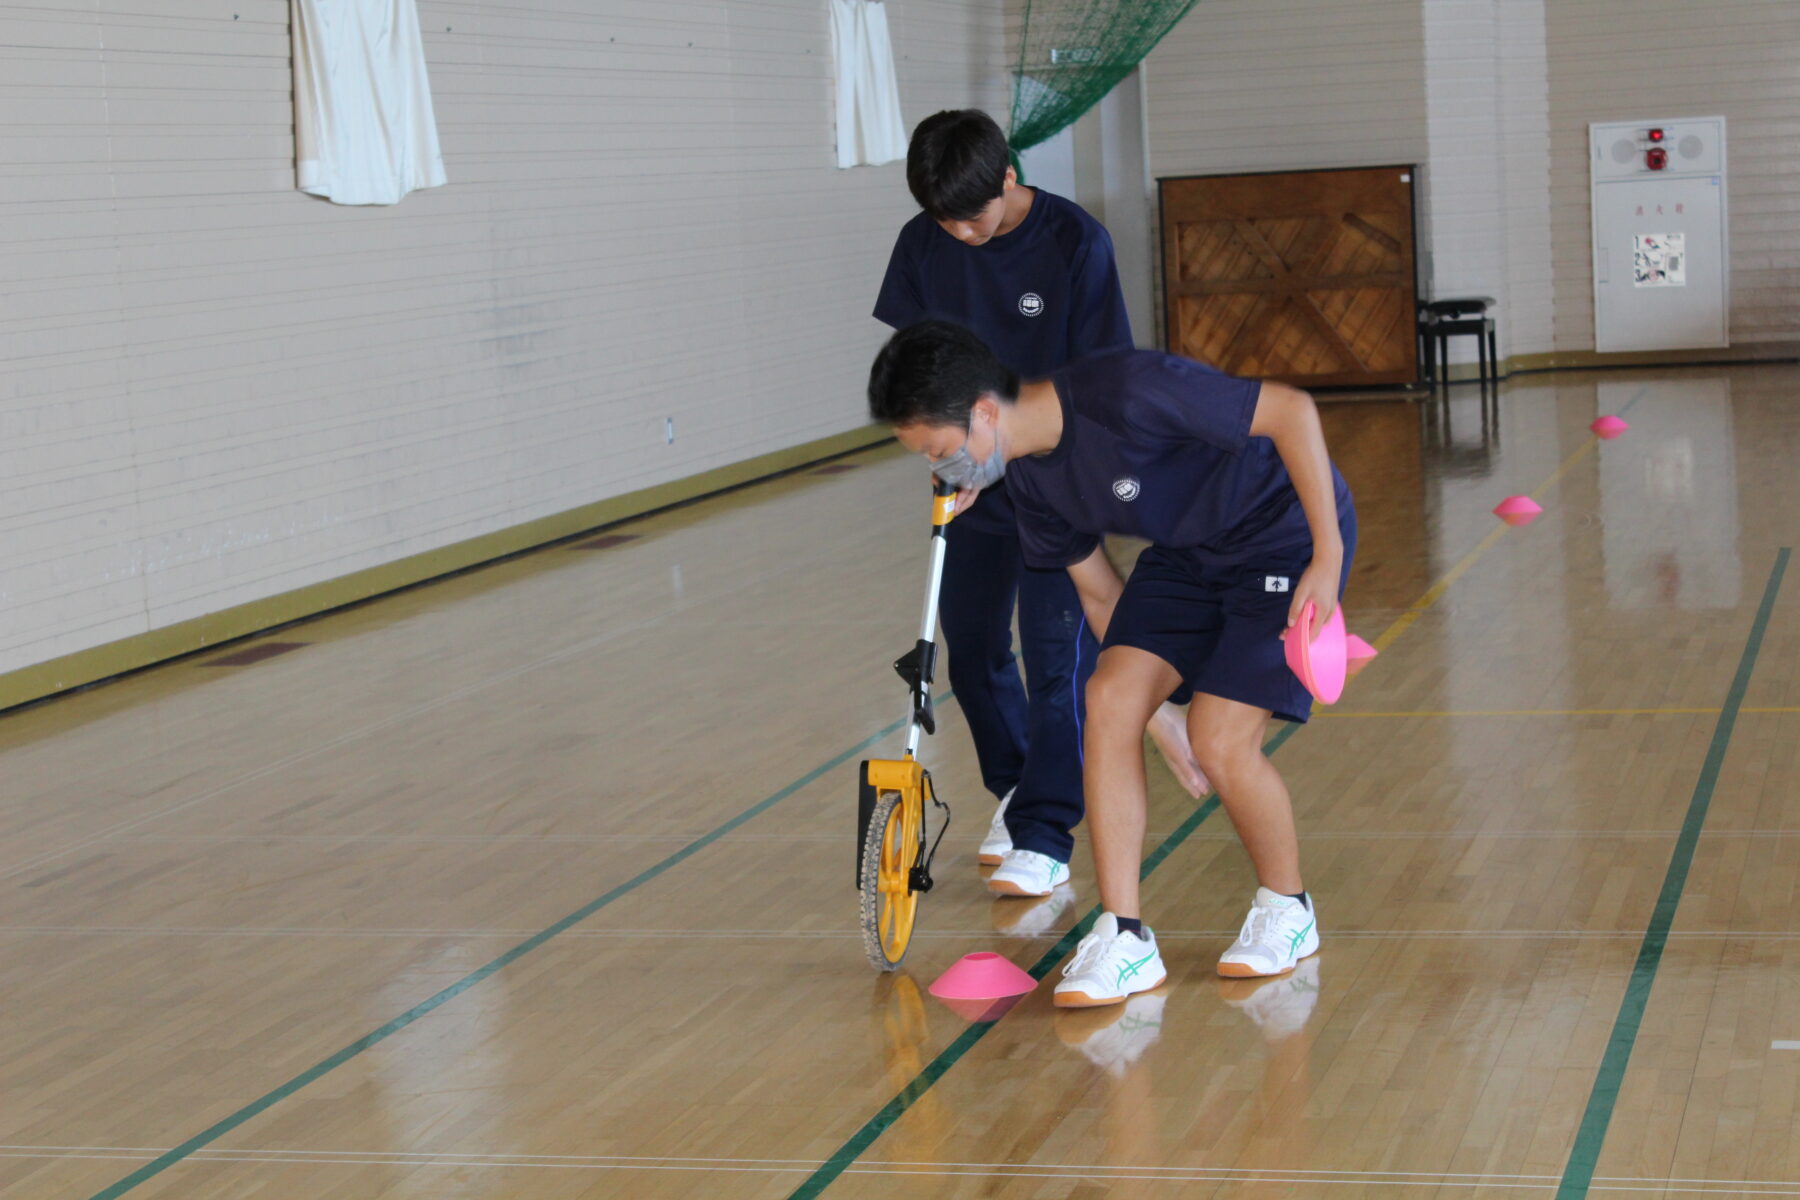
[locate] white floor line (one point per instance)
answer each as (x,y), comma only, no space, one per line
(849,835)
(955,1169)
(848,934)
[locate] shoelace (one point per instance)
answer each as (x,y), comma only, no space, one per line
(1256,925)
(1090,951)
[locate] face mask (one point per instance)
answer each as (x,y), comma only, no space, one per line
(961,471)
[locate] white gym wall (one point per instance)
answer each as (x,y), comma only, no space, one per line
(217,389)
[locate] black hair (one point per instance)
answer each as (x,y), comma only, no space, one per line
(956,164)
(932,373)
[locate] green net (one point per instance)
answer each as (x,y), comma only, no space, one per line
(1073,52)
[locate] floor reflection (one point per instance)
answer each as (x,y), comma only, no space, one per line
(1669,495)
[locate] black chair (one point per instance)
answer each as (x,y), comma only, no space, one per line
(1466,316)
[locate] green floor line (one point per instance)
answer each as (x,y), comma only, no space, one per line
(948,1057)
(1579,1173)
(325,1066)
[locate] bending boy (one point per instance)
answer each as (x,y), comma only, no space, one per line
(1230,481)
(1033,275)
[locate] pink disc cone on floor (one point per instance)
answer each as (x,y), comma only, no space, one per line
(1609,426)
(975,1011)
(982,976)
(1517,510)
(1319,660)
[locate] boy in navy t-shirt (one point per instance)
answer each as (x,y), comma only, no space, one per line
(1033,275)
(1230,482)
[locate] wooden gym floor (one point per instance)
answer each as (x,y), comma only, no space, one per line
(536,882)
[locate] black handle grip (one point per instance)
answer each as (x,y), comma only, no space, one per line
(940,488)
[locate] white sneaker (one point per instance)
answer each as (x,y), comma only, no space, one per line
(1109,966)
(1278,933)
(1027,873)
(997,842)
(1031,917)
(1113,1038)
(1280,1007)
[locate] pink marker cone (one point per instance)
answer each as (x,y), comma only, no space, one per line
(1358,654)
(975,1011)
(982,976)
(1608,427)
(1517,510)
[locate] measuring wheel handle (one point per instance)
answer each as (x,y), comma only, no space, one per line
(893,861)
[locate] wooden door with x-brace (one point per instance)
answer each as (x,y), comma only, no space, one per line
(1302,276)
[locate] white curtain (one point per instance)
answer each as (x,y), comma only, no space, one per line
(364,132)
(869,128)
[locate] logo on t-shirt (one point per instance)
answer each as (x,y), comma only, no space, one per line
(1031,304)
(1275,583)
(1126,488)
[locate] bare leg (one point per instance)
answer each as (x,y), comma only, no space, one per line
(1128,685)
(1227,740)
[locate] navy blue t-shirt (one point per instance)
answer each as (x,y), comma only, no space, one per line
(1158,447)
(1042,295)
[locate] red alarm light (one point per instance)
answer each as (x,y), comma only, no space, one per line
(1656,135)
(1656,158)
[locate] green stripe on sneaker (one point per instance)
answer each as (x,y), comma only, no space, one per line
(1132,968)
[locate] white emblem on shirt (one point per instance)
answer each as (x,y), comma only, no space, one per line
(1031,304)
(1275,583)
(1126,488)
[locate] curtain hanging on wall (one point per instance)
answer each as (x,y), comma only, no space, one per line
(1073,52)
(869,127)
(364,131)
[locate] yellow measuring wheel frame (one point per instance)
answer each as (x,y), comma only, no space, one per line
(893,860)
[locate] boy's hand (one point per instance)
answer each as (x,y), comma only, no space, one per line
(965,498)
(1168,729)
(1319,584)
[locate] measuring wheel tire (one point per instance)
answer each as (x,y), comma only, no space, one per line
(889,905)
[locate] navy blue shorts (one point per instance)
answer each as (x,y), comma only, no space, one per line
(1220,626)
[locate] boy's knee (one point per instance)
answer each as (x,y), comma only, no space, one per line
(1104,691)
(1218,751)
(1114,698)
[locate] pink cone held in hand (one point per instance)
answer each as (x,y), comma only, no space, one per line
(982,976)
(1609,427)
(1517,510)
(1358,654)
(1318,660)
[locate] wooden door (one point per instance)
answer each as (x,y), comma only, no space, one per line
(1301,276)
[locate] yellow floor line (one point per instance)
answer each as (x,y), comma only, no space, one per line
(1404,620)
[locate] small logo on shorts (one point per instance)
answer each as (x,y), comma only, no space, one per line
(1031,304)
(1275,583)
(1126,488)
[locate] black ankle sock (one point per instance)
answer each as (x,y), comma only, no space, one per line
(1132,925)
(1303,898)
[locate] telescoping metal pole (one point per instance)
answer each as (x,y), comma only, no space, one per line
(943,507)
